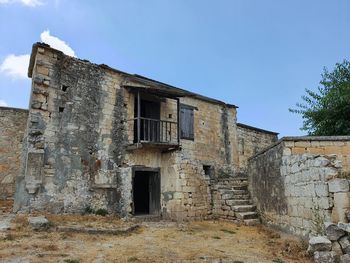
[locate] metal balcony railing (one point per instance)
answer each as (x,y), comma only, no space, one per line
(147,130)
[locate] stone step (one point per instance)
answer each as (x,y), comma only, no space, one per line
(241,197)
(239,179)
(240,192)
(244,208)
(251,222)
(224,188)
(227,196)
(240,187)
(226,191)
(233,202)
(247,215)
(235,191)
(231,184)
(233,178)
(233,188)
(232,196)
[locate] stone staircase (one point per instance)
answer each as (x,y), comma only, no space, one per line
(234,196)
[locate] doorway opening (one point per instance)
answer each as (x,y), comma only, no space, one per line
(146,192)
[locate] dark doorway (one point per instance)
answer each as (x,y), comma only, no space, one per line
(146,192)
(149,123)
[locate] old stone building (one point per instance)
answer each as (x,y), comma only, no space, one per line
(99,138)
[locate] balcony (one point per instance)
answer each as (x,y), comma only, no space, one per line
(147,129)
(154,133)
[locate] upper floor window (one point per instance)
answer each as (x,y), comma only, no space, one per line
(186,122)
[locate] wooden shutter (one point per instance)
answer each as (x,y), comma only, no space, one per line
(186,122)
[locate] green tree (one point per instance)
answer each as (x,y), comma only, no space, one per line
(327,111)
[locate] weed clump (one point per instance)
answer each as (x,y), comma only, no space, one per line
(100,211)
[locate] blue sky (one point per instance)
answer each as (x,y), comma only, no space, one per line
(257,54)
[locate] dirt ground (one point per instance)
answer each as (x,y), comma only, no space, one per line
(205,241)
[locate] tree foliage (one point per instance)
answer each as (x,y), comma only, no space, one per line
(327,110)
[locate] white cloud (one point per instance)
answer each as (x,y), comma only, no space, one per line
(3,103)
(15,66)
(31,3)
(56,43)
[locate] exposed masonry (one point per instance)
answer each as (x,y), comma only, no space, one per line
(252,140)
(85,146)
(79,149)
(12,126)
(300,183)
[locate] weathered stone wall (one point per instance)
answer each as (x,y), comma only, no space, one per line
(214,145)
(266,182)
(77,153)
(338,145)
(251,140)
(75,137)
(298,190)
(186,190)
(12,126)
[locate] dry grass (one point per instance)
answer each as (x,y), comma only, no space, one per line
(154,242)
(87,220)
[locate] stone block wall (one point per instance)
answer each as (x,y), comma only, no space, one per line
(77,151)
(73,153)
(215,146)
(321,145)
(251,140)
(12,126)
(186,189)
(298,190)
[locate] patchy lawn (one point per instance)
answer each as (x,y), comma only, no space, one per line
(205,241)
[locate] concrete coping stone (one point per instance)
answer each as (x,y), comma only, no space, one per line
(316,138)
(302,138)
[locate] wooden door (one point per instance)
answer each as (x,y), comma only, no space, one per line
(154,190)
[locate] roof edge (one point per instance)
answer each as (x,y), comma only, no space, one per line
(256,129)
(13,109)
(136,77)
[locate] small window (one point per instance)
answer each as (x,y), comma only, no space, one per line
(64,88)
(186,122)
(208,170)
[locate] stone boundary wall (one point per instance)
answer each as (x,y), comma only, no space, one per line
(12,126)
(321,145)
(251,140)
(301,182)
